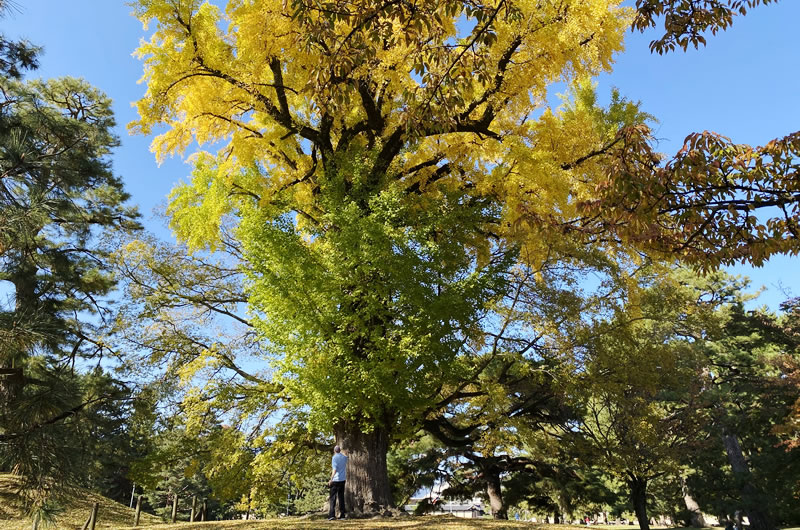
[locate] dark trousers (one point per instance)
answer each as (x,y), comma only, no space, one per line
(337,490)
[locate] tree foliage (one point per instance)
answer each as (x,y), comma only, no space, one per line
(713,203)
(685,21)
(747,397)
(57,192)
(363,169)
(15,56)
(636,383)
(789,366)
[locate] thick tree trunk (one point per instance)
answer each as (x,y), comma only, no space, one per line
(696,518)
(638,491)
(367,487)
(499,509)
(751,497)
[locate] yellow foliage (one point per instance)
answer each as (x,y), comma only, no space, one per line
(278,88)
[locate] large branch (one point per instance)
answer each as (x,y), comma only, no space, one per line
(375,120)
(502,66)
(55,419)
(280,115)
(450,435)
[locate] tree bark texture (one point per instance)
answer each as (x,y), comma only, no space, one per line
(696,517)
(638,492)
(751,497)
(499,509)
(367,487)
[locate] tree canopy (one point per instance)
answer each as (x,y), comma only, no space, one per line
(392,240)
(57,194)
(364,168)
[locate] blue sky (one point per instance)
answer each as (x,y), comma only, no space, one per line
(744,85)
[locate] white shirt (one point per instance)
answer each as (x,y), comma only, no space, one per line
(339,463)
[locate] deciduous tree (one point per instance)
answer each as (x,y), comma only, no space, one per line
(363,151)
(637,382)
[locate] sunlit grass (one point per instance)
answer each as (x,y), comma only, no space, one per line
(447,522)
(113,515)
(110,514)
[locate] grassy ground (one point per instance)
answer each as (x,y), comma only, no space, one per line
(110,514)
(446,522)
(113,515)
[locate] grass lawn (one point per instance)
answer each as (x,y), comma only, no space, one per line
(110,514)
(113,515)
(447,522)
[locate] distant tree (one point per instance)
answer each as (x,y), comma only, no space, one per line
(636,382)
(173,467)
(313,496)
(747,396)
(789,365)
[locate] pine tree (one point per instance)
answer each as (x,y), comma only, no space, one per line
(58,197)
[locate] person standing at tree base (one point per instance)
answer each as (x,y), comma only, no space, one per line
(336,483)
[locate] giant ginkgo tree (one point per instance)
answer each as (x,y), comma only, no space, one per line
(385,164)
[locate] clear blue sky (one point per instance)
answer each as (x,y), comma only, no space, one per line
(744,85)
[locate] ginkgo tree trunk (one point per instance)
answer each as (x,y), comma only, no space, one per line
(383,167)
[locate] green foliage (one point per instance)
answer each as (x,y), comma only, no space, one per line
(746,396)
(15,56)
(80,432)
(366,312)
(637,383)
(414,465)
(789,366)
(313,496)
(184,466)
(52,207)
(57,196)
